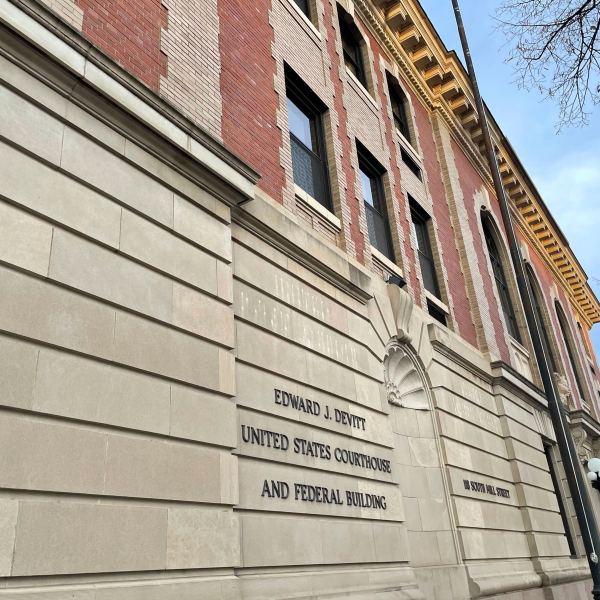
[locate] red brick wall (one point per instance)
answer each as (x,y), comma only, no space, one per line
(250,102)
(403,217)
(457,284)
(470,183)
(129,32)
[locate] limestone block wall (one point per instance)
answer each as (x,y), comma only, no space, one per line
(309,370)
(504,502)
(116,336)
(195,394)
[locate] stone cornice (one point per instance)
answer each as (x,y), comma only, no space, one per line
(275,226)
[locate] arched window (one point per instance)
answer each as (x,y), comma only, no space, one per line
(501,282)
(538,303)
(568,338)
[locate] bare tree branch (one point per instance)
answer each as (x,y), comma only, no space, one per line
(556,50)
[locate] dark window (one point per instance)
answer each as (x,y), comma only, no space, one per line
(501,282)
(566,334)
(307,141)
(371,179)
(559,498)
(540,312)
(410,163)
(304,6)
(420,223)
(436,312)
(399,108)
(583,339)
(352,46)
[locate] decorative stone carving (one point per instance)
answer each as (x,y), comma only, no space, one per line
(543,424)
(403,380)
(402,309)
(564,390)
(580,438)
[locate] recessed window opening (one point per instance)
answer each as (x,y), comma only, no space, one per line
(410,163)
(437,313)
(420,226)
(399,104)
(305,119)
(540,313)
(304,6)
(501,281)
(371,179)
(352,43)
(566,334)
(583,339)
(559,498)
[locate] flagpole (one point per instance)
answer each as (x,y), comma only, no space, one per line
(576,480)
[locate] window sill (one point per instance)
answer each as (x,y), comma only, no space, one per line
(518,346)
(362,90)
(304,21)
(386,262)
(439,304)
(408,147)
(520,359)
(317,207)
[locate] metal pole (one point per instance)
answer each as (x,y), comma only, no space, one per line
(575,478)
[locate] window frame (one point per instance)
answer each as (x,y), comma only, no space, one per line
(297,92)
(496,260)
(304,7)
(398,100)
(351,36)
(437,313)
(568,339)
(541,312)
(421,219)
(374,171)
(583,338)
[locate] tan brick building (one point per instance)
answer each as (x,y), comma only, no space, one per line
(208,389)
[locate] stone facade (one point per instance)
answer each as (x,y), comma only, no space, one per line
(207,387)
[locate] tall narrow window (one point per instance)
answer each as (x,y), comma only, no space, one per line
(352,46)
(304,6)
(420,225)
(541,313)
(584,340)
(566,334)
(559,498)
(501,282)
(398,102)
(307,141)
(371,179)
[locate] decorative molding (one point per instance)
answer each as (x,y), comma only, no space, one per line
(581,441)
(271,223)
(564,390)
(404,382)
(402,309)
(544,423)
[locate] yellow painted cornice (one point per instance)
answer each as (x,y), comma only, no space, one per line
(442,84)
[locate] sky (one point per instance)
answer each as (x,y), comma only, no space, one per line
(565,166)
